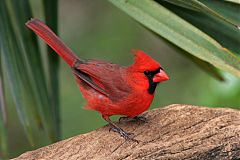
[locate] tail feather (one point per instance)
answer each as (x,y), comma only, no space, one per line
(52,40)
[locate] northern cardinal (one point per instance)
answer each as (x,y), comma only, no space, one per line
(109,88)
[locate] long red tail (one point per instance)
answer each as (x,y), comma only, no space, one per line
(52,40)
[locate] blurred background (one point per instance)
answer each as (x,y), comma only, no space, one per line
(99,30)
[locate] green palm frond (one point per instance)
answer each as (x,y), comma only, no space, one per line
(204,29)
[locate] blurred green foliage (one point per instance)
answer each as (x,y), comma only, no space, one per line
(24,80)
(99,30)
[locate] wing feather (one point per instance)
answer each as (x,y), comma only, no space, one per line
(104,77)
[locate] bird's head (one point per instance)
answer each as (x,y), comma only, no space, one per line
(147,72)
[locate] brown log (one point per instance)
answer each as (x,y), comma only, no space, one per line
(174,132)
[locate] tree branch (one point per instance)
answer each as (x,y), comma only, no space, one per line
(173,132)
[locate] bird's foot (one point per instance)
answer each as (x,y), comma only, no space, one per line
(139,119)
(127,136)
(121,132)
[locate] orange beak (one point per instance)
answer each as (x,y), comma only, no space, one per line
(161,76)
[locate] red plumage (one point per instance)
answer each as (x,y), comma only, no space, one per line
(109,88)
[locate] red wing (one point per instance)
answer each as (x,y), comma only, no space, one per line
(87,79)
(108,77)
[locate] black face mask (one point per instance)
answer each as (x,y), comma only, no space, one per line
(150,75)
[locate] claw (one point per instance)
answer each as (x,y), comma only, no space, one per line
(139,119)
(122,133)
(124,119)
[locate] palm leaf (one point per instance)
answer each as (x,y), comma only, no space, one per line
(226,35)
(35,75)
(23,69)
(229,10)
(205,66)
(3,118)
(13,68)
(51,14)
(181,33)
(233,1)
(22,39)
(201,7)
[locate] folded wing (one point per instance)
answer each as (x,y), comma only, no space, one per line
(106,78)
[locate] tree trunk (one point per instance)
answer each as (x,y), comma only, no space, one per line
(174,132)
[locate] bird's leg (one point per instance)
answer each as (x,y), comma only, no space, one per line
(140,119)
(120,131)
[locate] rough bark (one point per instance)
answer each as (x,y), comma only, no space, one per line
(174,132)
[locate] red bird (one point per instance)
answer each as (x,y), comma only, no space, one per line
(109,88)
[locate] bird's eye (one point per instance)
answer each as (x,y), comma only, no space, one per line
(147,72)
